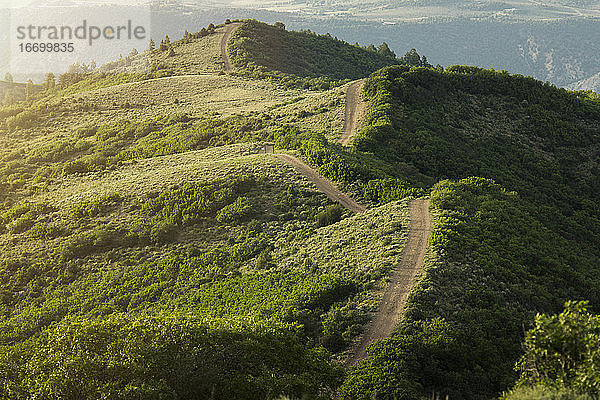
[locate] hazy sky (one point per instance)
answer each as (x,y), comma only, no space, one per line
(63,3)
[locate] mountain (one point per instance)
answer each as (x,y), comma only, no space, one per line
(591,83)
(153,246)
(412,9)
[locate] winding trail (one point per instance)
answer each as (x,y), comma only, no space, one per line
(355,109)
(390,311)
(228,68)
(324,185)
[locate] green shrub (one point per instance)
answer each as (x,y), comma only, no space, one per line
(541,392)
(21,224)
(264,51)
(331,214)
(235,211)
(22,217)
(190,203)
(383,191)
(341,324)
(563,351)
(167,357)
(95,207)
(46,231)
(24,120)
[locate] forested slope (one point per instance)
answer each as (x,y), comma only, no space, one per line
(301,58)
(520,238)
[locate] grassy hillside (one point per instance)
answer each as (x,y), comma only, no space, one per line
(300,58)
(141,233)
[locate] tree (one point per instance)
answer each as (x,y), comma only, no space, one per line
(412,58)
(8,78)
(133,53)
(50,81)
(171,52)
(372,48)
(151,45)
(163,46)
(29,89)
(279,25)
(385,51)
(563,351)
(93,65)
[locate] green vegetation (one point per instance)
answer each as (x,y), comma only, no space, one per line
(165,357)
(144,239)
(543,392)
(561,352)
(330,215)
(498,256)
(262,51)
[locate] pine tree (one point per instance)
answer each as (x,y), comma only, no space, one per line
(412,58)
(50,81)
(8,78)
(151,45)
(385,51)
(171,51)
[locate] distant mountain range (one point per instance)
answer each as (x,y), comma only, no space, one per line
(402,10)
(592,83)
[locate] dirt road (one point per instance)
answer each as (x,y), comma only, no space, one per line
(355,109)
(391,308)
(324,185)
(228,68)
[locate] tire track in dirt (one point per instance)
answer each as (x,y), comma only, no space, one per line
(355,109)
(228,68)
(324,185)
(391,309)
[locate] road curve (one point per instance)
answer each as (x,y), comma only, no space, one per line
(390,310)
(228,68)
(355,108)
(324,185)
